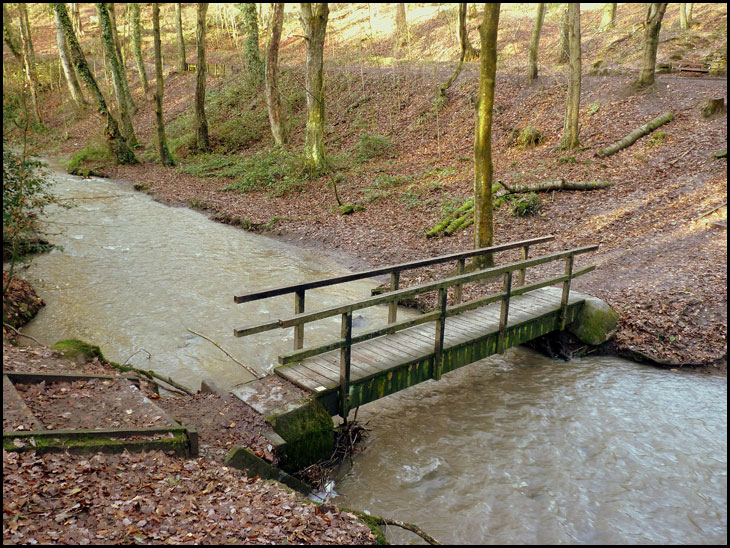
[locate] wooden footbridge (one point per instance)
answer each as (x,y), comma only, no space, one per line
(355,369)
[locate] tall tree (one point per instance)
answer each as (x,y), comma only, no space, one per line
(273,101)
(483,166)
(563,30)
(137,45)
(165,157)
(182,64)
(107,38)
(471,53)
(202,140)
(118,51)
(118,145)
(74,87)
(76,15)
(314,21)
(608,19)
(10,36)
(401,26)
(31,75)
(251,46)
(653,21)
(465,47)
(572,103)
(535,42)
(685,15)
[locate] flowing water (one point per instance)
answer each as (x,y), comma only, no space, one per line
(515,449)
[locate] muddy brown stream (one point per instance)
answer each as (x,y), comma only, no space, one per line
(515,449)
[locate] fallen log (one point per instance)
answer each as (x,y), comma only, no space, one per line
(632,137)
(562,184)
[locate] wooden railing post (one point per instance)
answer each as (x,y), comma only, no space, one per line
(566,291)
(504,312)
(393,307)
(457,289)
(299,329)
(525,253)
(345,352)
(438,347)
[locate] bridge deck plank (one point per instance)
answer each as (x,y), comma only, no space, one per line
(383,353)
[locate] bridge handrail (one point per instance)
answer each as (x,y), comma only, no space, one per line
(462,255)
(453,310)
(400,294)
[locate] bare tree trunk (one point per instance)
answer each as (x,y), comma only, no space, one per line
(26,21)
(73,83)
(464,44)
(29,60)
(137,45)
(120,60)
(654,16)
(483,166)
(10,36)
(116,141)
(535,42)
(202,141)
(471,53)
(182,64)
(76,14)
(314,21)
(401,26)
(251,47)
(572,106)
(564,47)
(165,157)
(273,101)
(683,19)
(107,38)
(609,17)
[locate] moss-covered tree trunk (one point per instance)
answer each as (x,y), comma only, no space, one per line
(483,166)
(118,51)
(165,157)
(535,42)
(182,64)
(314,21)
(654,16)
(202,140)
(251,46)
(118,145)
(137,46)
(29,60)
(73,83)
(608,19)
(564,47)
(107,39)
(273,100)
(10,36)
(572,102)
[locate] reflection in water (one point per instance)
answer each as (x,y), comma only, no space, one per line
(521,449)
(513,450)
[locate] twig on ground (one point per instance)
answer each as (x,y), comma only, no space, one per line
(22,334)
(250,370)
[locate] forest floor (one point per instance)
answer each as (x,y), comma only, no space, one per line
(662,261)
